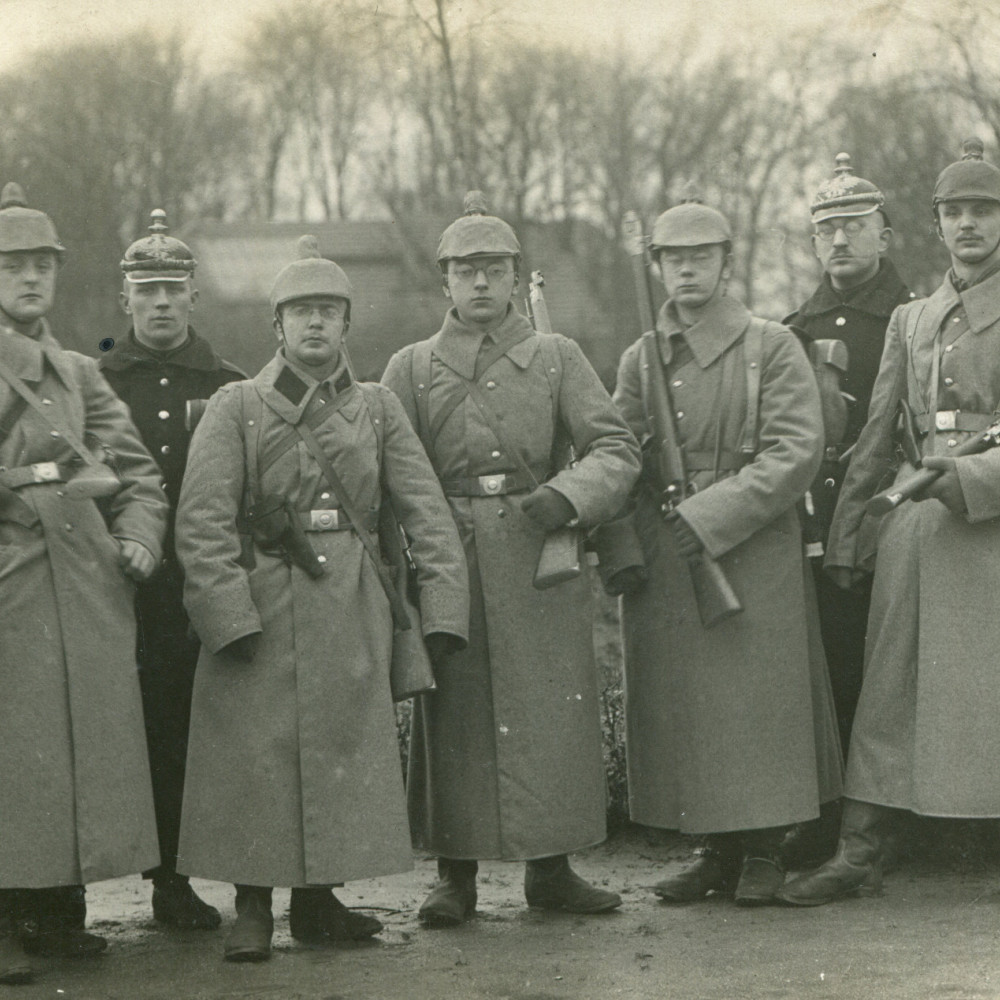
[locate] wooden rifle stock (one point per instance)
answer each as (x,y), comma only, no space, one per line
(899,493)
(713,592)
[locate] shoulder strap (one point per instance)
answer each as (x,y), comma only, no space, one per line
(251,417)
(552,359)
(400,617)
(420,381)
(68,435)
(753,354)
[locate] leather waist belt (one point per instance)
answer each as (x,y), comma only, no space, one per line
(333,519)
(955,420)
(40,472)
(495,484)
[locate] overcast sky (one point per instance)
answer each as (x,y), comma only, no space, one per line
(216,25)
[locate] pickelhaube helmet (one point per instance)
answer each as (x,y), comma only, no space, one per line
(690,224)
(23,228)
(158,257)
(310,274)
(476,232)
(969,177)
(845,194)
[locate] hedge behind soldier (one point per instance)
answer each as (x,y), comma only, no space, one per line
(82,514)
(157,369)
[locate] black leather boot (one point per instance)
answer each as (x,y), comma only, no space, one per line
(316,916)
(550,884)
(453,899)
(715,869)
(176,904)
(249,940)
(856,868)
(14,965)
(51,923)
(762,873)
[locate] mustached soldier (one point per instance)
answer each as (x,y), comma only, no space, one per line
(925,735)
(157,370)
(505,757)
(75,801)
(293,770)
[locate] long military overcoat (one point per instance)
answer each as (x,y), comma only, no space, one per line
(293,773)
(505,758)
(728,728)
(75,801)
(925,735)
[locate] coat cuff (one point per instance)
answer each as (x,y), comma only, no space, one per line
(215,635)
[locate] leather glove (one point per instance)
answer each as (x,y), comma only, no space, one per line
(243,649)
(844,576)
(440,645)
(135,559)
(548,508)
(688,543)
(947,488)
(629,580)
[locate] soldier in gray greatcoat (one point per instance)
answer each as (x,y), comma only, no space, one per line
(925,736)
(505,758)
(293,774)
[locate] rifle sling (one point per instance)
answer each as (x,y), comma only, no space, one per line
(400,617)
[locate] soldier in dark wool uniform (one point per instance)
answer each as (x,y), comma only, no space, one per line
(159,370)
(857,294)
(925,734)
(505,759)
(81,512)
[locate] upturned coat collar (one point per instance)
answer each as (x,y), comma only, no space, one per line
(878,296)
(287,389)
(195,352)
(981,303)
(722,324)
(457,344)
(26,356)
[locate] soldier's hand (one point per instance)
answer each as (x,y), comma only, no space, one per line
(629,580)
(548,508)
(243,649)
(440,645)
(136,560)
(688,543)
(843,576)
(947,487)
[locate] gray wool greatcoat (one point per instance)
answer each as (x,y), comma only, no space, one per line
(505,757)
(925,735)
(75,800)
(728,728)
(293,772)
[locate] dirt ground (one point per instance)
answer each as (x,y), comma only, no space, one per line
(933,934)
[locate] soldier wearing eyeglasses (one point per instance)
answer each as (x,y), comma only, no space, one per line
(505,759)
(850,309)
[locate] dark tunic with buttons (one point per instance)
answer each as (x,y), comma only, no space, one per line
(293,774)
(925,735)
(858,317)
(75,804)
(505,757)
(156,386)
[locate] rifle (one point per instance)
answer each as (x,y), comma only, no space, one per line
(713,592)
(561,557)
(896,494)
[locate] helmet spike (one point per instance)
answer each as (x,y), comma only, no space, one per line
(972,149)
(474,203)
(158,223)
(308,248)
(842,165)
(13,196)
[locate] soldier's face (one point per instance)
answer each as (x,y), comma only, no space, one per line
(160,311)
(481,289)
(312,329)
(970,228)
(27,284)
(693,275)
(849,247)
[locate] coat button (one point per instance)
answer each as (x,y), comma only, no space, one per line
(164,382)
(949,349)
(952,442)
(321,559)
(164,414)
(494,454)
(501,512)
(949,381)
(491,384)
(165,450)
(957,319)
(47,401)
(680,414)
(677,383)
(324,496)
(68,527)
(840,321)
(54,434)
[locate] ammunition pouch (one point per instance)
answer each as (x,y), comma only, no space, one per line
(618,549)
(907,434)
(275,527)
(194,410)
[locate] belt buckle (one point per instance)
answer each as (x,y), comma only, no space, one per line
(492,485)
(46,472)
(324,520)
(945,420)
